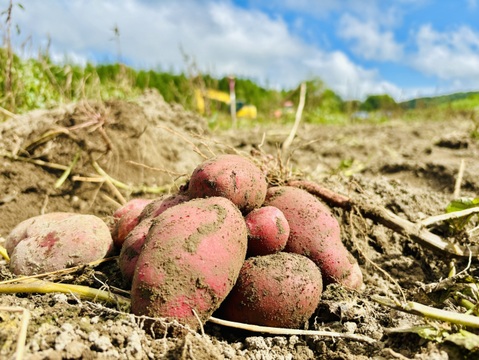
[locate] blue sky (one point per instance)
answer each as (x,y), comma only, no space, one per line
(406,48)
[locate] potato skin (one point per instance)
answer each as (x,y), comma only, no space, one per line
(126,218)
(231,176)
(157,206)
(136,238)
(315,233)
(190,260)
(31,227)
(131,249)
(280,290)
(58,244)
(268,231)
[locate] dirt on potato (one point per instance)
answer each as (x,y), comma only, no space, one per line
(119,150)
(276,290)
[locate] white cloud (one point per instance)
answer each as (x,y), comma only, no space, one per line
(388,13)
(452,56)
(368,40)
(223,39)
(347,78)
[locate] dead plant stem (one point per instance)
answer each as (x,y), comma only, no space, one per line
(59,272)
(448,216)
(34,161)
(7,113)
(415,308)
(67,172)
(297,120)
(285,331)
(22,333)
(460,175)
(43,287)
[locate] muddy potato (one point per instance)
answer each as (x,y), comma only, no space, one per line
(231,176)
(315,233)
(190,261)
(279,290)
(31,227)
(136,238)
(157,206)
(55,242)
(268,231)
(131,249)
(126,218)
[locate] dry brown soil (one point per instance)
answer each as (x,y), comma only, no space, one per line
(409,168)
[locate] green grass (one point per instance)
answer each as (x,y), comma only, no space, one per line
(469,103)
(438,101)
(41,84)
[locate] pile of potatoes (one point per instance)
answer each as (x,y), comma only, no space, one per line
(228,244)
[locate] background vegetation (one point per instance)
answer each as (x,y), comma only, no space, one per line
(27,84)
(38,83)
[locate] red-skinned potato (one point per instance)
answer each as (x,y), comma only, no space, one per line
(190,261)
(126,218)
(131,249)
(279,290)
(133,243)
(157,206)
(268,231)
(231,176)
(315,233)
(31,227)
(59,243)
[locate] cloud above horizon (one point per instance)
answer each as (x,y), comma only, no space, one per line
(349,45)
(451,56)
(368,41)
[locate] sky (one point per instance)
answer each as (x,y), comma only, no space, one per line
(404,48)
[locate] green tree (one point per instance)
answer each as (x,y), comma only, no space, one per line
(351,106)
(318,97)
(331,102)
(379,102)
(315,89)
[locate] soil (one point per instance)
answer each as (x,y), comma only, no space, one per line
(148,147)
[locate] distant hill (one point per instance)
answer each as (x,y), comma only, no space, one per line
(461,100)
